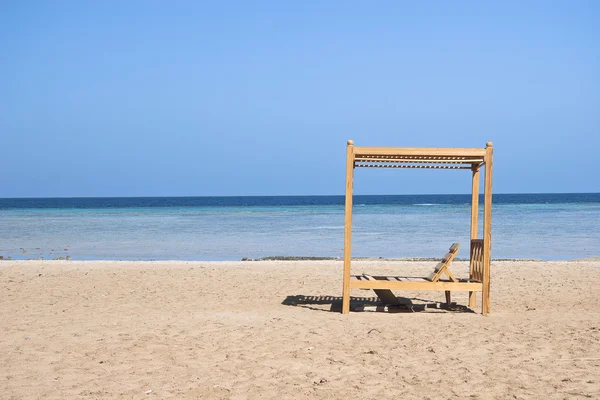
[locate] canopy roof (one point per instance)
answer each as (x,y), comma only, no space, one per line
(410,157)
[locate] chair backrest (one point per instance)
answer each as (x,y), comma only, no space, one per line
(476,267)
(444,263)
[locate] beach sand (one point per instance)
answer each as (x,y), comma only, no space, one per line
(222,330)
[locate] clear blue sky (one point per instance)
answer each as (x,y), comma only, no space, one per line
(156,98)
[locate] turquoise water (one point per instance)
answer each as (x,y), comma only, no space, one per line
(384,226)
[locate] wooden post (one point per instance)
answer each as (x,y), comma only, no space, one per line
(448,297)
(474,225)
(487,229)
(348,227)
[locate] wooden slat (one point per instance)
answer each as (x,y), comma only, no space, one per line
(423,285)
(411,151)
(421,160)
(407,279)
(389,157)
(357,165)
(480,261)
(474,204)
(454,248)
(439,265)
(449,255)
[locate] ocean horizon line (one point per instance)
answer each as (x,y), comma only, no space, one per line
(285,195)
(294,201)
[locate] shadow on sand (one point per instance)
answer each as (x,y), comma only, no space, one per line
(404,305)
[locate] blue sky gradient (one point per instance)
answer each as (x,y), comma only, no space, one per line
(153,98)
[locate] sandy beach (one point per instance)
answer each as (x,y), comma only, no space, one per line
(238,330)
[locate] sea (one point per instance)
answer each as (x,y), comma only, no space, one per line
(529,226)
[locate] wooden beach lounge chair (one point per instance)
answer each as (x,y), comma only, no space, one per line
(470,159)
(386,296)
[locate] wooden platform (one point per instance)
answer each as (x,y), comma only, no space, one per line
(413,283)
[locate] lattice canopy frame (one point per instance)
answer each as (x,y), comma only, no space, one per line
(473,159)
